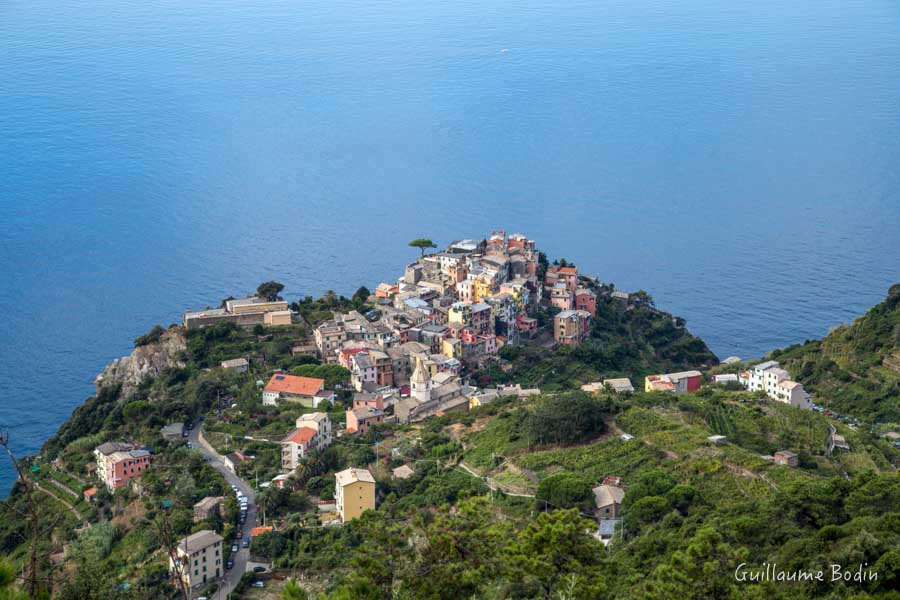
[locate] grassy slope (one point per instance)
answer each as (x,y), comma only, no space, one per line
(846,369)
(735,488)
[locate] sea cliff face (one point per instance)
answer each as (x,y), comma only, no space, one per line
(144,362)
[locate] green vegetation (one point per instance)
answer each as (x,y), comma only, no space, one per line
(624,342)
(422,244)
(150,337)
(500,501)
(692,512)
(855,369)
(269,290)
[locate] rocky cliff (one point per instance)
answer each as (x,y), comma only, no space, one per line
(144,362)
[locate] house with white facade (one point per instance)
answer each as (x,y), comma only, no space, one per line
(770,378)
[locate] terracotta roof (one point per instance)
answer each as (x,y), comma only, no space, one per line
(260,530)
(292,384)
(568,270)
(90,492)
(302,436)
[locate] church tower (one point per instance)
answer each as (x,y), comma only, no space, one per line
(420,382)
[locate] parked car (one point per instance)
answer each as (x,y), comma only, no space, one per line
(259,584)
(230,564)
(234,549)
(259,569)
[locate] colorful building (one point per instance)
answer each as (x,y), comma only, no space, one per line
(119,463)
(571,327)
(677,383)
(585,299)
(354,493)
(306,391)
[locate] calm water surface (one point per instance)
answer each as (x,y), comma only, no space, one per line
(739,160)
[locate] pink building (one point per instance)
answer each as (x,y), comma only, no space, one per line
(490,343)
(566,275)
(482,315)
(368,410)
(585,299)
(118,463)
(561,297)
(526,325)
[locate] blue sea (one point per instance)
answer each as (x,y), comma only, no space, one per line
(738,160)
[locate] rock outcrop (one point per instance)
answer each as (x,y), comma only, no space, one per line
(144,362)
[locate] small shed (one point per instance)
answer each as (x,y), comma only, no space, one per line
(90,494)
(403,472)
(236,364)
(786,457)
(172,431)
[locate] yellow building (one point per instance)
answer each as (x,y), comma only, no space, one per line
(277,317)
(460,312)
(452,347)
(254,304)
(354,493)
(481,289)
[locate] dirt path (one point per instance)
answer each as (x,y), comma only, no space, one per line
(64,488)
(62,501)
(495,485)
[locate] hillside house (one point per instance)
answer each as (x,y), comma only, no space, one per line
(306,391)
(198,559)
(571,327)
(677,383)
(119,463)
(354,493)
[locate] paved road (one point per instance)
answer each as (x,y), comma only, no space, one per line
(243,555)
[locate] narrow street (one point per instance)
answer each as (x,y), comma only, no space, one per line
(240,559)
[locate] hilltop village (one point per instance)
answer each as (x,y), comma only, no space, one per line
(227,454)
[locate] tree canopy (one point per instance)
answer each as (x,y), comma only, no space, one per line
(422,244)
(269,290)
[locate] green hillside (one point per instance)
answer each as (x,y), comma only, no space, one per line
(692,512)
(500,504)
(855,369)
(627,339)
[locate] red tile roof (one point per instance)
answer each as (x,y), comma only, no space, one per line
(568,270)
(260,530)
(302,436)
(292,384)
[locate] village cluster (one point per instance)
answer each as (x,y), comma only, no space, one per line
(448,312)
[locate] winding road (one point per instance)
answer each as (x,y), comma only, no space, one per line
(241,558)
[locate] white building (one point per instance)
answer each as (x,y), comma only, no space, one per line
(791,392)
(199,558)
(321,423)
(770,378)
